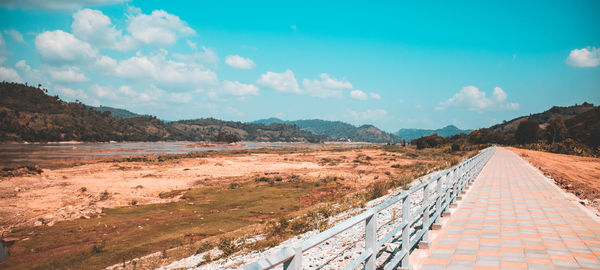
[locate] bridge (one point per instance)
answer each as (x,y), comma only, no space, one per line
(492,211)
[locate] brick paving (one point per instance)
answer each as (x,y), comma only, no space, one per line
(512,217)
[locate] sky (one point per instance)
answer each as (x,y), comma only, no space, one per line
(393,64)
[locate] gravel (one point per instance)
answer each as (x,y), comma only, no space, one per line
(334,253)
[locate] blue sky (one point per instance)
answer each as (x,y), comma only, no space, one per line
(387,63)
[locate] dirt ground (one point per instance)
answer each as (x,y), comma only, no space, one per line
(578,175)
(81,191)
(105,212)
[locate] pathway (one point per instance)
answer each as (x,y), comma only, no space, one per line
(512,217)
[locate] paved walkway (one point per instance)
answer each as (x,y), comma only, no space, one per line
(512,217)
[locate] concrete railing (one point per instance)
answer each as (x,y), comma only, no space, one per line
(438,192)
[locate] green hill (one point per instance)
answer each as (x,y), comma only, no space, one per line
(115,112)
(30,114)
(410,134)
(337,130)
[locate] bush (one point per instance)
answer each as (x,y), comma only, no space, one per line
(377,190)
(527,132)
(227,246)
(429,141)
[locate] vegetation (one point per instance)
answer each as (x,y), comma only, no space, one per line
(571,130)
(30,114)
(133,231)
(447,131)
(338,130)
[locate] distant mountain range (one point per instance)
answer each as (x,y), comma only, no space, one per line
(337,130)
(30,114)
(115,112)
(410,134)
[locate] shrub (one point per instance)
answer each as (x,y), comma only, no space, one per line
(377,190)
(527,132)
(227,246)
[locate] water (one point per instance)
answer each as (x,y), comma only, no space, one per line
(3,251)
(49,154)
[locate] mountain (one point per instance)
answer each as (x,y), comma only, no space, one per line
(205,129)
(542,118)
(337,130)
(115,112)
(410,134)
(30,114)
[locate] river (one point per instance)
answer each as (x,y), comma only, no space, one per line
(48,155)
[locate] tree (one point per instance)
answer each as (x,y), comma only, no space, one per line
(556,131)
(527,132)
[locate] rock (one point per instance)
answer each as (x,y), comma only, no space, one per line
(17,189)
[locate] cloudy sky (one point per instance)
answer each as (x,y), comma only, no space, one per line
(395,65)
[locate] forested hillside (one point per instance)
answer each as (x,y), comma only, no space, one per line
(338,130)
(413,133)
(568,130)
(30,114)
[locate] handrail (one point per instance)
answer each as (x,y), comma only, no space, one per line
(455,180)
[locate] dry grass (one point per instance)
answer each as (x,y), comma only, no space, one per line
(284,203)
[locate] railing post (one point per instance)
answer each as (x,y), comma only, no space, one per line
(438,201)
(296,262)
(425,240)
(451,186)
(406,232)
(371,241)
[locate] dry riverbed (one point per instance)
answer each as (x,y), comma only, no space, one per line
(104,213)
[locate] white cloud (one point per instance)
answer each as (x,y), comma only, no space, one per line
(9,75)
(357,94)
(23,65)
(192,45)
(586,57)
(103,92)
(58,47)
(360,95)
(180,97)
(207,55)
(498,95)
(473,99)
(512,106)
(96,28)
(16,35)
(369,115)
(106,63)
(125,94)
(164,72)
(68,74)
(374,96)
(159,28)
(71,93)
(326,87)
(239,62)
(2,42)
(239,89)
(30,75)
(56,5)
(282,82)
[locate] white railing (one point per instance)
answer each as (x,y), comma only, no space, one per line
(413,228)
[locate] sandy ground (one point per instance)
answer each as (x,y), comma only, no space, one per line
(82,191)
(578,175)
